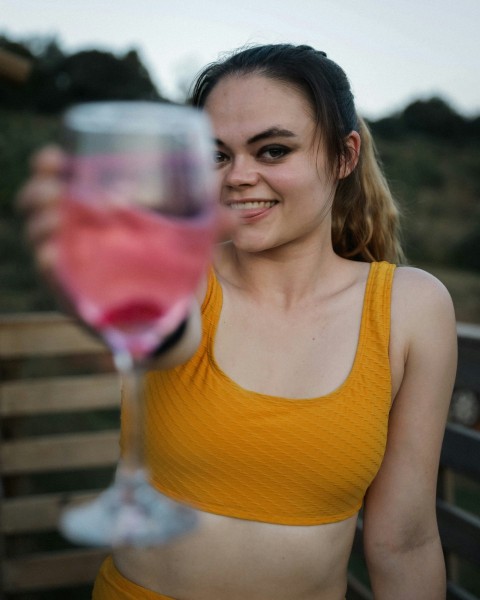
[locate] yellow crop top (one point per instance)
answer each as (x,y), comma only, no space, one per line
(230,451)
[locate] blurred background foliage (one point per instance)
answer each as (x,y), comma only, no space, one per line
(429,152)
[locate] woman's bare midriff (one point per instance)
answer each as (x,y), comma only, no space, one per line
(233,559)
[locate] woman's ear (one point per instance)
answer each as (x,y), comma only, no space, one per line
(349,160)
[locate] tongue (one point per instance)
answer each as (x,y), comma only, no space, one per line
(247,213)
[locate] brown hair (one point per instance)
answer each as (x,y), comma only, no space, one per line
(365,217)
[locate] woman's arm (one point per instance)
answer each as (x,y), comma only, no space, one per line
(402,544)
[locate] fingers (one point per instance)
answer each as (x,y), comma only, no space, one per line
(46,258)
(50,160)
(39,200)
(44,186)
(45,221)
(39,193)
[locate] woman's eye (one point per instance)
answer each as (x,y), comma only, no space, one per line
(274,152)
(219,157)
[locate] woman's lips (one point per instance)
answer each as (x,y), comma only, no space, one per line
(248,209)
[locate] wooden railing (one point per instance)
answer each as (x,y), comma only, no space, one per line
(59,411)
(460,468)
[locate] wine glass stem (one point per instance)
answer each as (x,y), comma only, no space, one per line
(132,376)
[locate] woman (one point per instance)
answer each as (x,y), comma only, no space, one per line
(322,379)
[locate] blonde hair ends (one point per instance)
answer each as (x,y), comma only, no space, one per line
(365,216)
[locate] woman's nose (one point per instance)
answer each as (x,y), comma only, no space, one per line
(241,172)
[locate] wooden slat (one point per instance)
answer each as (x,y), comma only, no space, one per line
(460,531)
(357,590)
(44,334)
(468,370)
(14,67)
(461,450)
(456,592)
(59,452)
(37,513)
(59,394)
(52,571)
(468,330)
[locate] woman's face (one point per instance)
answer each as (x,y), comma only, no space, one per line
(271,170)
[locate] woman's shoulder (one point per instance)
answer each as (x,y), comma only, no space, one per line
(412,284)
(420,301)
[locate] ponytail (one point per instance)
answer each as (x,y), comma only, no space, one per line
(365,216)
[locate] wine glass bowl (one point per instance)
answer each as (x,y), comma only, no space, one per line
(139,213)
(136,232)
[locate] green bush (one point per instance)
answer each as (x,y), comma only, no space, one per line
(21,134)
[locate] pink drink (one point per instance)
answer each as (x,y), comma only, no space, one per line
(131,272)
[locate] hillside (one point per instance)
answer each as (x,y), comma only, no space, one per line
(436,180)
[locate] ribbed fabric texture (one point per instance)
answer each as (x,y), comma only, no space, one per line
(110,584)
(230,451)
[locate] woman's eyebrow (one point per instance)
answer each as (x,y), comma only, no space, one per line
(271,132)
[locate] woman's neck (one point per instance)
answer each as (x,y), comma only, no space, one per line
(282,276)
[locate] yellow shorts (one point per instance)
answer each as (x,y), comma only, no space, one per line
(110,584)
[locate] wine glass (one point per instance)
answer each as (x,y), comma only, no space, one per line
(136,234)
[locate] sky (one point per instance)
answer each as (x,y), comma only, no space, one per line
(393,51)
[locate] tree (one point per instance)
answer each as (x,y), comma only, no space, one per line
(434,117)
(44,79)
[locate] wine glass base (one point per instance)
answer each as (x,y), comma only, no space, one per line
(129,513)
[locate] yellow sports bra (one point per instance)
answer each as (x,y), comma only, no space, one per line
(234,452)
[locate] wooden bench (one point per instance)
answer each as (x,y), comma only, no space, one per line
(59,410)
(59,405)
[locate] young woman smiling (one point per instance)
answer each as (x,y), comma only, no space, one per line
(314,379)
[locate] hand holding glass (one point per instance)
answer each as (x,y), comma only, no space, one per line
(137,230)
